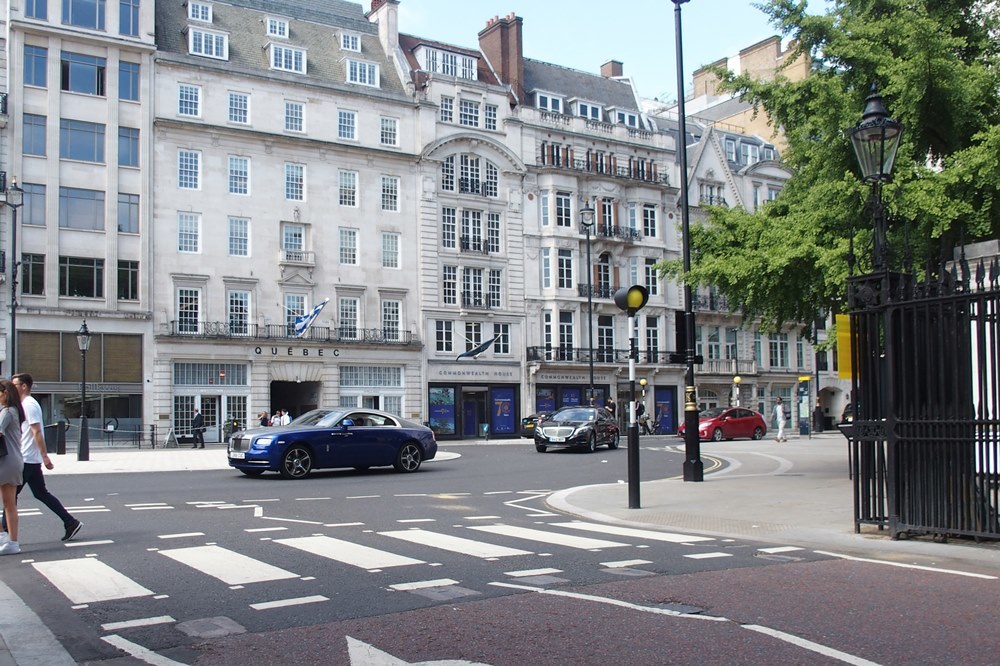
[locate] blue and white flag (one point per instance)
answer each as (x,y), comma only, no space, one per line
(303,322)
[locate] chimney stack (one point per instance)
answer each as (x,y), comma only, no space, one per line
(611,69)
(501,43)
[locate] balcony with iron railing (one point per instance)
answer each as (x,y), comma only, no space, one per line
(597,290)
(710,200)
(613,232)
(475,301)
(727,367)
(711,303)
(634,172)
(577,355)
(343,334)
(473,245)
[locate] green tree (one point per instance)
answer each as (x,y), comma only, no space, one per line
(935,63)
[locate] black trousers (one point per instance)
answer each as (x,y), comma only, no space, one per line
(34,478)
(199,437)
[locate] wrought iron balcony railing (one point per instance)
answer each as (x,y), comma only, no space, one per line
(342,334)
(473,245)
(597,290)
(475,301)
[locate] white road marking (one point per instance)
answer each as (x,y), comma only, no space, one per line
(139,652)
(86,580)
(228,566)
(707,556)
(282,603)
(568,540)
(78,544)
(499,492)
(87,510)
(417,520)
(780,549)
(349,553)
(311,499)
(613,602)
(132,506)
(181,535)
(908,566)
(532,572)
(633,532)
(362,497)
(269,499)
(266,529)
(207,503)
(236,506)
(292,520)
(150,508)
(423,585)
(342,524)
(454,544)
(142,622)
(360,653)
(482,517)
(809,645)
(624,564)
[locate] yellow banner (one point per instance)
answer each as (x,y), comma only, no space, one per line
(845,367)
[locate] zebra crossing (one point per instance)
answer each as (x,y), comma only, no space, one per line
(91,579)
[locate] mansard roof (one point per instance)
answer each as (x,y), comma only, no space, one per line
(314,25)
(572,83)
(410,43)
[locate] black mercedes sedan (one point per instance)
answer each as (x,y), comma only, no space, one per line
(579,427)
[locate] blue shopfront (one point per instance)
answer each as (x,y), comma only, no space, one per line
(474,405)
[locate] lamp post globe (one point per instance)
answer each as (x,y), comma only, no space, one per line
(587,219)
(83,342)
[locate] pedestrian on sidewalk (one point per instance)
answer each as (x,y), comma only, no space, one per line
(11,463)
(198,429)
(35,455)
(778,413)
(611,406)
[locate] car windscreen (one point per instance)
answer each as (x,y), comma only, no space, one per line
(574,415)
(711,413)
(319,417)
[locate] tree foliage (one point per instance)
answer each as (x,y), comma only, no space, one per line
(936,65)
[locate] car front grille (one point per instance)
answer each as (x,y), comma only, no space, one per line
(558,431)
(239,443)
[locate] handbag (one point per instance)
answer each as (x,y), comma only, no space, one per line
(3,445)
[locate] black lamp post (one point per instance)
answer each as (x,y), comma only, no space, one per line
(587,218)
(83,341)
(876,140)
(631,300)
(694,469)
(14,199)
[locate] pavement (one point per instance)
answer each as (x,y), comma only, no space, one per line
(795,493)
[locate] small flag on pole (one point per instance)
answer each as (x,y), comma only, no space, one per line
(303,322)
(480,349)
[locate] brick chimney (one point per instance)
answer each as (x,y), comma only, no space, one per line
(611,69)
(501,43)
(377,3)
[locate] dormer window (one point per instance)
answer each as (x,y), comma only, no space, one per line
(208,43)
(350,42)
(548,102)
(200,11)
(362,73)
(731,150)
(449,64)
(288,59)
(749,153)
(588,110)
(626,118)
(277,27)
(768,153)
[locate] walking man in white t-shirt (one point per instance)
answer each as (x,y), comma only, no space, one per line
(779,416)
(35,455)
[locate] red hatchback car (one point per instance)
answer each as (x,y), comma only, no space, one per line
(720,423)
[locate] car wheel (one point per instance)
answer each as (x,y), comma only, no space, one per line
(592,443)
(613,444)
(252,472)
(296,463)
(717,435)
(409,458)
(758,433)
(541,448)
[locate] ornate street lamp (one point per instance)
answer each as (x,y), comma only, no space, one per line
(587,218)
(694,468)
(14,199)
(736,390)
(83,341)
(876,140)
(631,301)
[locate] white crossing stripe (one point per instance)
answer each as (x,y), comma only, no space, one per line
(141,622)
(780,549)
(652,535)
(266,529)
(181,535)
(348,553)
(568,540)
(624,564)
(532,572)
(707,556)
(454,544)
(423,584)
(282,603)
(228,566)
(87,579)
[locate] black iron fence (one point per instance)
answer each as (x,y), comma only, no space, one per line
(925,442)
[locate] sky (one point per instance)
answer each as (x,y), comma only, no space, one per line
(584,34)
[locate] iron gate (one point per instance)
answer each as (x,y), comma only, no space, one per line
(926,436)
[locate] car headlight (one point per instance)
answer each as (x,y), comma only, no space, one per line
(262,442)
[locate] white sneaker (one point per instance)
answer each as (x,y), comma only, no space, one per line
(4,538)
(10,548)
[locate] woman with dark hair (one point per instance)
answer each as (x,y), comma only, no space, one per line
(11,464)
